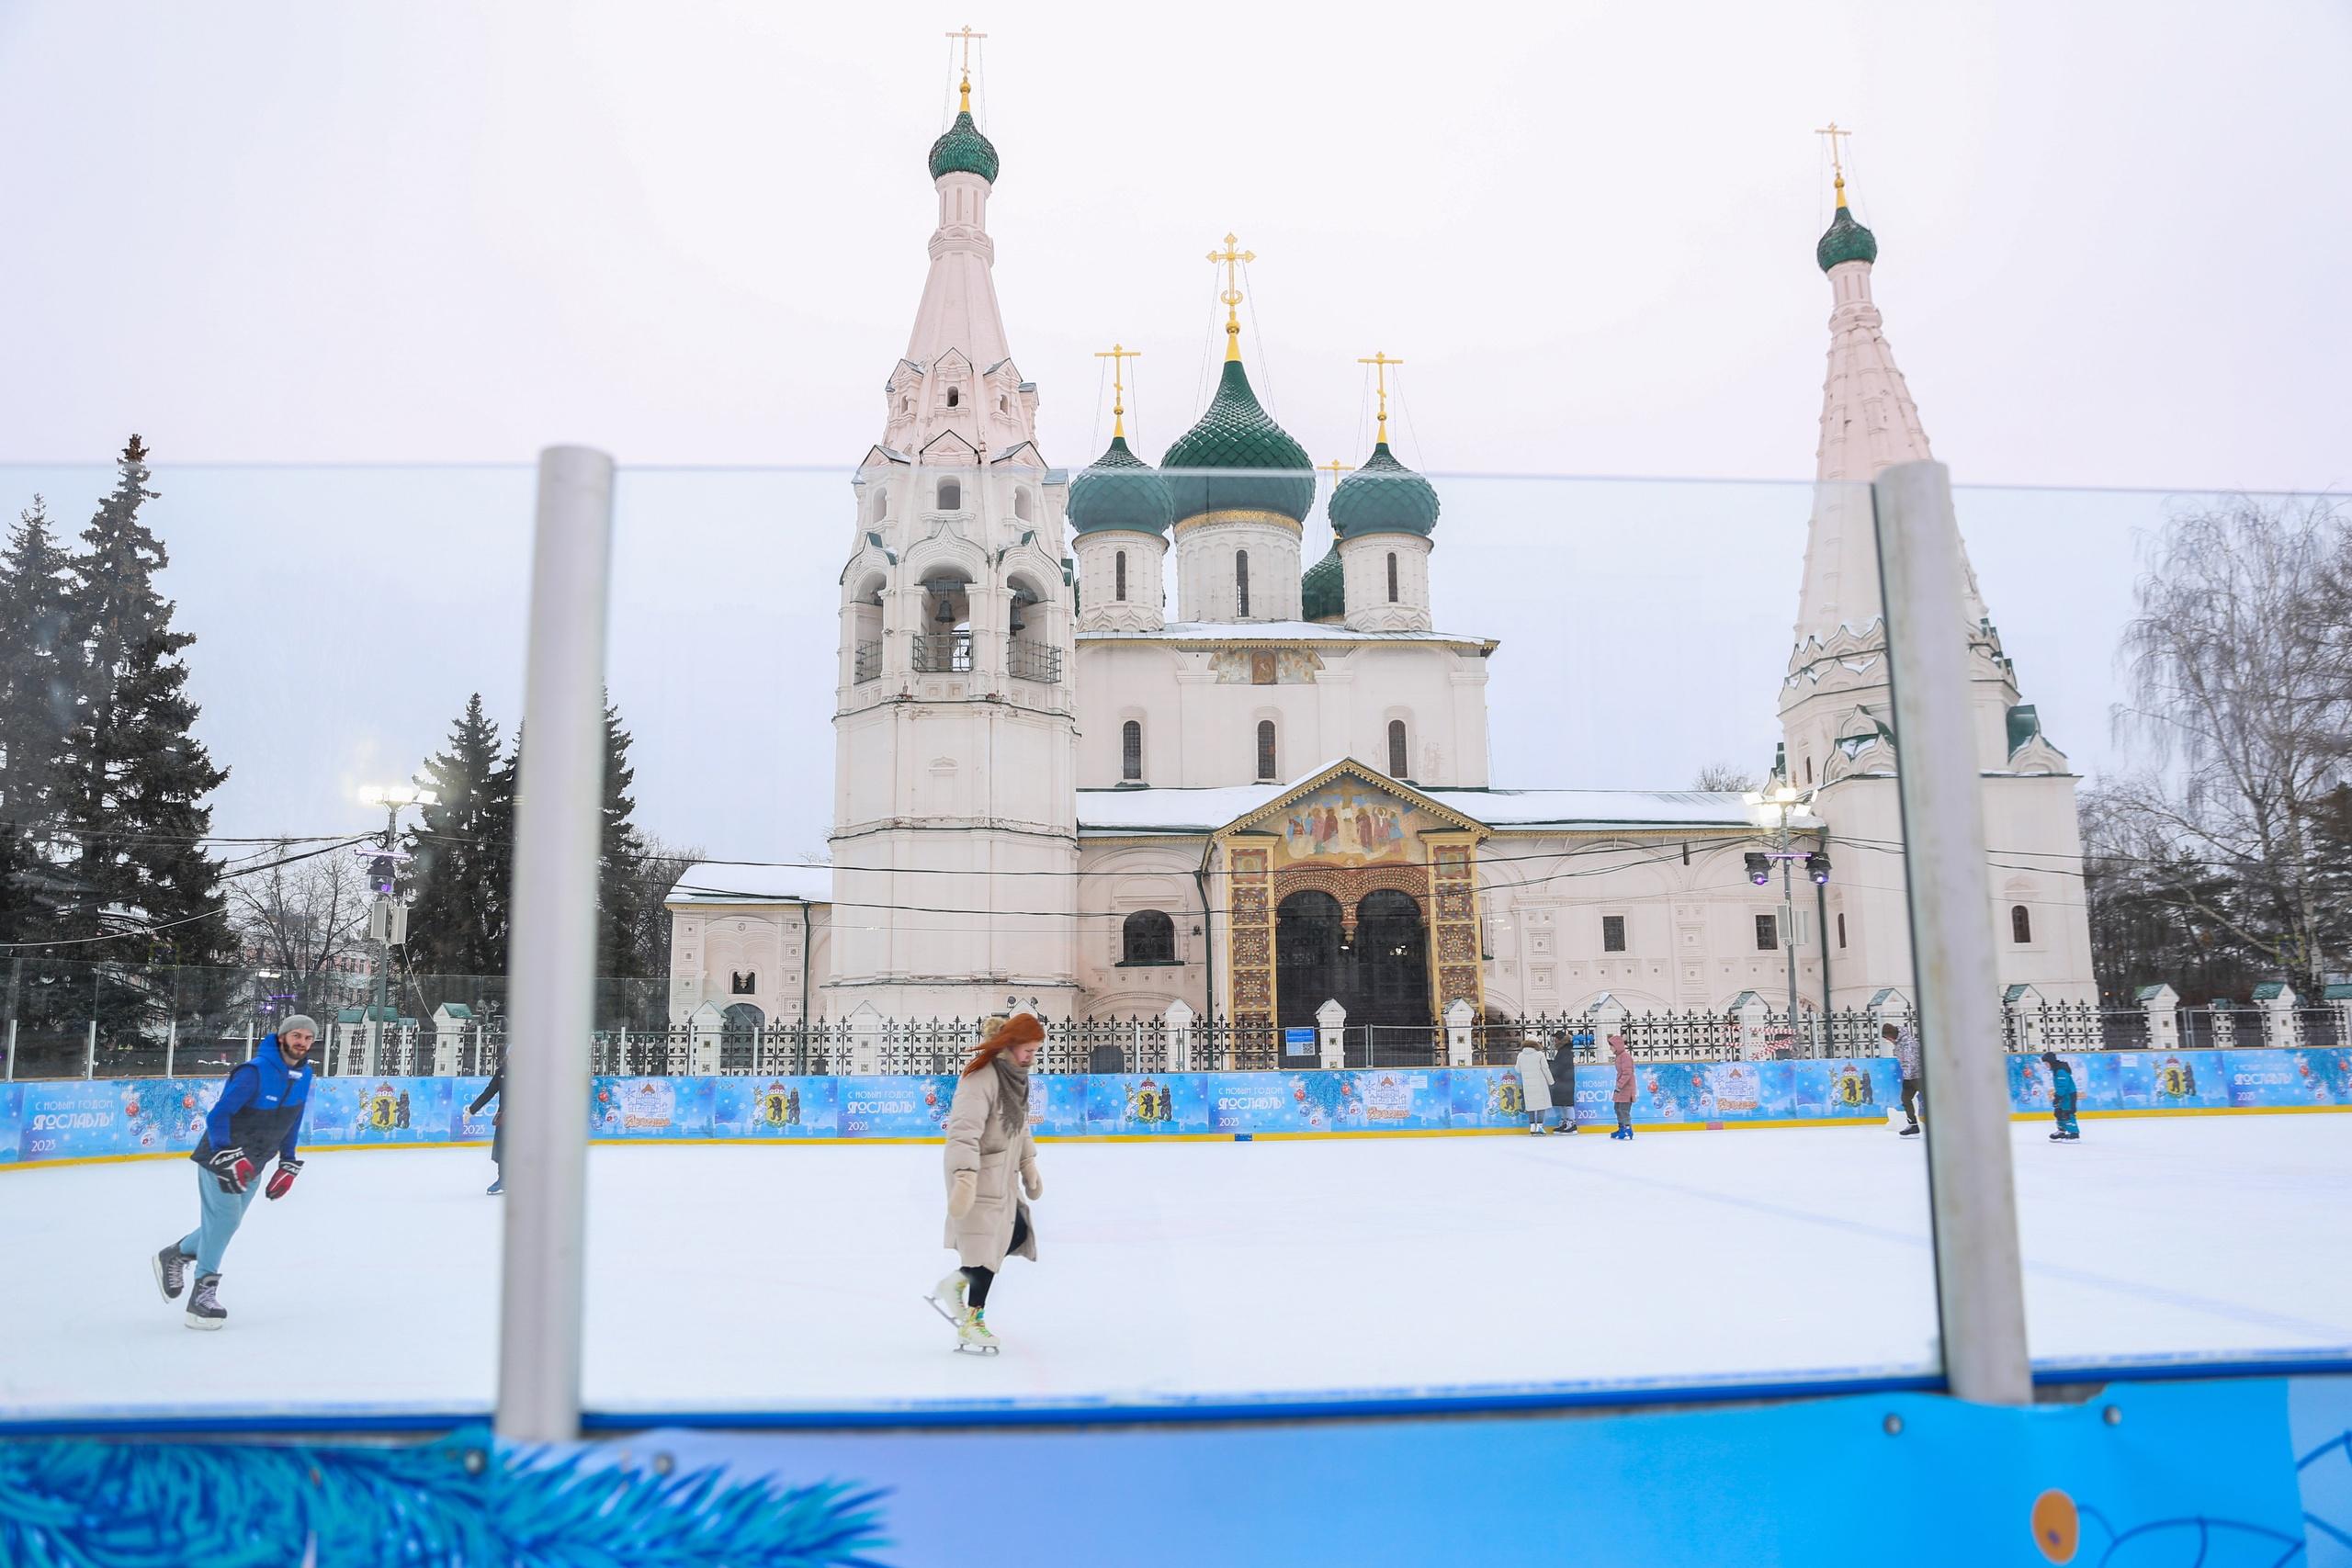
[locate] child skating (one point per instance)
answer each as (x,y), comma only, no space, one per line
(988,1142)
(2062,1099)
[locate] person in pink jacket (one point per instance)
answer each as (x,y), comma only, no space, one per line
(1623,1095)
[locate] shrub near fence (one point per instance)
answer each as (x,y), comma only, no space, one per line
(113,1119)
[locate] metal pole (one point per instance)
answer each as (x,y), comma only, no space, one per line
(90,1052)
(249,1040)
(1980,1285)
(170,1045)
(553,948)
(12,1051)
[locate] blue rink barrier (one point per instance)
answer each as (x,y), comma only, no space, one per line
(51,1122)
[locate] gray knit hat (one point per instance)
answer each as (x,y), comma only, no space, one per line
(299,1020)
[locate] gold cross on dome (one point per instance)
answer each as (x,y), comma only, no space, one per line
(1118,354)
(1380,362)
(1335,469)
(966,35)
(1837,163)
(1231,260)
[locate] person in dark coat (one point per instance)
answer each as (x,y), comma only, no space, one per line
(1563,1081)
(259,1113)
(497,1127)
(2061,1099)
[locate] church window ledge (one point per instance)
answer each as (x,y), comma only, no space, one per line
(1149,963)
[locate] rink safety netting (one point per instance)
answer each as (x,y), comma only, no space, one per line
(46,1123)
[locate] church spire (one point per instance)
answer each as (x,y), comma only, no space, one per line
(1230,296)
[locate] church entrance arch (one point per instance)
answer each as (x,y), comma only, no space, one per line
(1310,954)
(1392,951)
(739,1037)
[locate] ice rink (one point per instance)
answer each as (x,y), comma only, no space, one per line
(784,1278)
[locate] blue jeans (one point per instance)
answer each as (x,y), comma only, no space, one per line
(498,1144)
(222,1214)
(2063,1109)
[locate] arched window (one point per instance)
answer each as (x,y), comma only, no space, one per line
(2020,924)
(881,505)
(1241,584)
(1266,750)
(1399,763)
(1392,577)
(1148,936)
(1021,505)
(1119,577)
(1131,751)
(951,495)
(953,397)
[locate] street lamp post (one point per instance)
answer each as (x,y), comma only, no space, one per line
(386,916)
(1772,806)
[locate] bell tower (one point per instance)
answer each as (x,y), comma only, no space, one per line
(955,840)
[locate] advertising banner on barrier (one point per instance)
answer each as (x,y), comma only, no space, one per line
(75,1118)
(650,1107)
(378,1111)
(2167,1080)
(467,1125)
(776,1107)
(2287,1078)
(1860,1087)
(12,1122)
(1137,1103)
(1404,1099)
(1057,1104)
(1490,1097)
(896,1108)
(2099,1081)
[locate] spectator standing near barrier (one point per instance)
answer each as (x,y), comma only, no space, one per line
(497,1127)
(1534,1082)
(1622,1095)
(1563,1081)
(2062,1099)
(988,1140)
(259,1112)
(1909,1065)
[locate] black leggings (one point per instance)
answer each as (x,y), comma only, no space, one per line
(978,1277)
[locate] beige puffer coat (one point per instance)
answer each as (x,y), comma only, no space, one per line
(976,1141)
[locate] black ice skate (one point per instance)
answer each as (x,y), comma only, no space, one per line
(204,1308)
(171,1271)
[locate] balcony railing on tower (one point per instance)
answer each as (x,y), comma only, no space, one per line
(865,661)
(1034,662)
(943,653)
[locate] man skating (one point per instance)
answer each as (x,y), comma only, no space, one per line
(259,1112)
(1909,1065)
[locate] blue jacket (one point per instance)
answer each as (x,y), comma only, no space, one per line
(2062,1082)
(260,1107)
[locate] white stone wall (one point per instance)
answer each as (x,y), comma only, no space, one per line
(1205,584)
(1364,563)
(1122,878)
(1101,607)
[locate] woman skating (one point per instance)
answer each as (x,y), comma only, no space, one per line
(988,1140)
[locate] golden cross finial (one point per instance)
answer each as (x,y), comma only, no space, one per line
(1231,260)
(1118,354)
(1336,468)
(1380,362)
(1836,164)
(966,35)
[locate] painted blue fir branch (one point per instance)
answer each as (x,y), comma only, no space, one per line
(461,1501)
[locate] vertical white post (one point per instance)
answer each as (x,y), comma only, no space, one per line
(249,1040)
(170,1045)
(1980,1282)
(90,1050)
(12,1052)
(553,949)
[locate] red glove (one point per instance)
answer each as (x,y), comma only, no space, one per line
(231,1169)
(281,1181)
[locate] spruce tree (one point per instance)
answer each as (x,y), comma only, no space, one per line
(132,786)
(36,691)
(464,855)
(620,863)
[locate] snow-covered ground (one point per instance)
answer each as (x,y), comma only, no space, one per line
(777,1278)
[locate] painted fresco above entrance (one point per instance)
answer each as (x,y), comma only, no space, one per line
(1349,825)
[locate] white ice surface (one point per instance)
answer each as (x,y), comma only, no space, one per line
(777,1278)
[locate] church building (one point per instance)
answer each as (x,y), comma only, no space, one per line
(1053,790)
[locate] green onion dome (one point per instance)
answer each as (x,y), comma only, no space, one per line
(1236,433)
(963,150)
(1322,590)
(1119,490)
(1382,497)
(1845,240)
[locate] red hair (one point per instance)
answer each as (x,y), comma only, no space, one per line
(1020,1029)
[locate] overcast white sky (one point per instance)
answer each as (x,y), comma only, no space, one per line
(2113,239)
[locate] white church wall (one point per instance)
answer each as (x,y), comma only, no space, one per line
(1207,589)
(1365,563)
(1100,557)
(1120,879)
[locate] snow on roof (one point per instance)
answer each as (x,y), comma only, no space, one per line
(717,881)
(1274,631)
(1205,810)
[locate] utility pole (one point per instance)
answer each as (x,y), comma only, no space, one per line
(386,916)
(1774,806)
